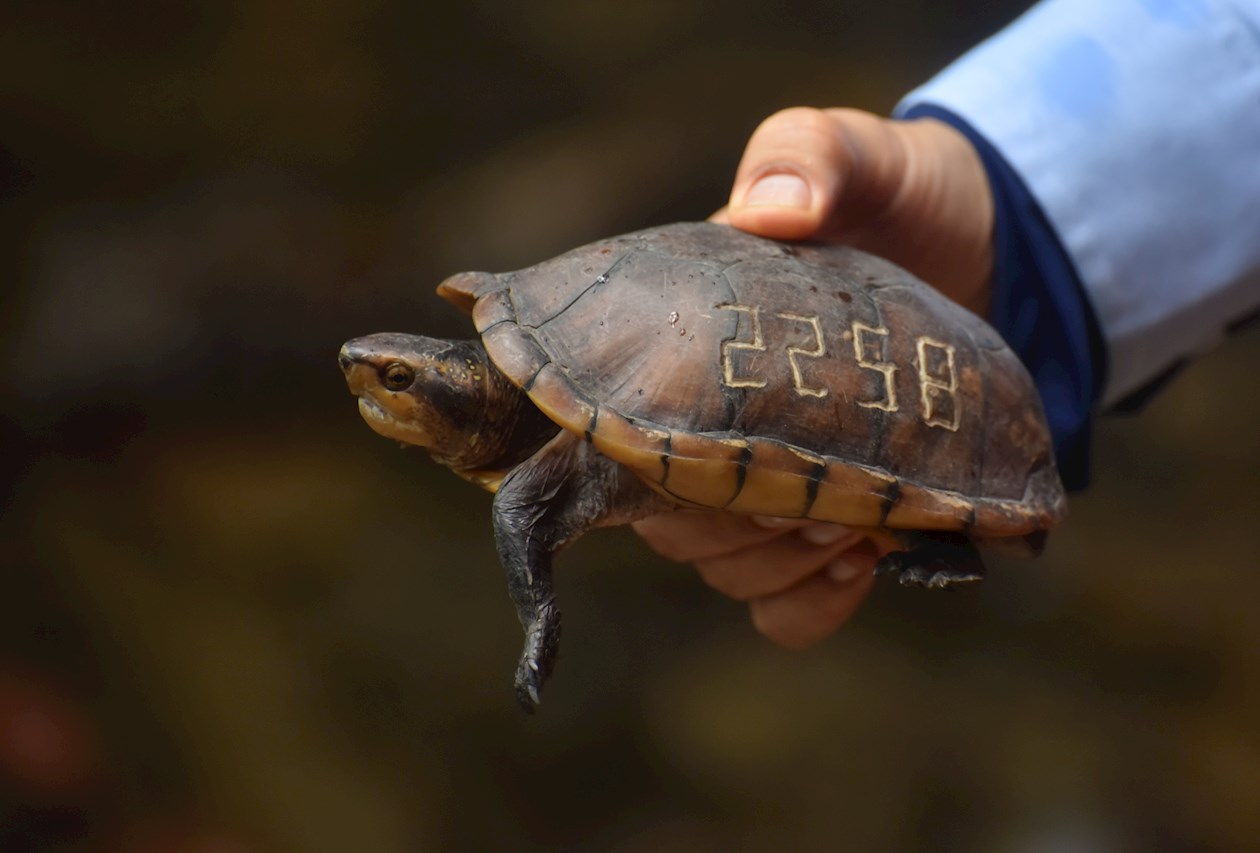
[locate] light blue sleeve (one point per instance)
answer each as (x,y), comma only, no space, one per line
(1136,126)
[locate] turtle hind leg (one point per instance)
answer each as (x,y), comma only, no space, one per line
(934,561)
(546,502)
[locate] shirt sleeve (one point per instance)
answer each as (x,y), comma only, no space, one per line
(1134,125)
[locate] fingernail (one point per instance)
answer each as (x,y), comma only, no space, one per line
(824,534)
(778,190)
(842,571)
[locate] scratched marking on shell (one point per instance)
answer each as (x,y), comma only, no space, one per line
(930,385)
(936,363)
(862,335)
(817,351)
(757,344)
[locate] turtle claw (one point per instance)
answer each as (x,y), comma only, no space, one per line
(885,567)
(933,566)
(939,578)
(537,658)
(528,682)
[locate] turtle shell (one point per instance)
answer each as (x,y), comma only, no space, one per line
(734,372)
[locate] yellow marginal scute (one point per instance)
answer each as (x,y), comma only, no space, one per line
(643,449)
(777,480)
(554,394)
(919,508)
(852,494)
(704,470)
(1007,518)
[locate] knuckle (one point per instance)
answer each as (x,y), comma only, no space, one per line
(810,139)
(797,119)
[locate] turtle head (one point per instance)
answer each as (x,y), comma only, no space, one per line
(433,393)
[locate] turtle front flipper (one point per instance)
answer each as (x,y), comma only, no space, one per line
(933,560)
(545,503)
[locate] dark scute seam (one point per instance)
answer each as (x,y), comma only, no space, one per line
(741,472)
(811,488)
(602,278)
(891,496)
(511,299)
(730,266)
(497,323)
(590,427)
(529,383)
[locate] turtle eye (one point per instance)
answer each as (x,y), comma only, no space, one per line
(397,376)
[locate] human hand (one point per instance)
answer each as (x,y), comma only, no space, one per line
(913,192)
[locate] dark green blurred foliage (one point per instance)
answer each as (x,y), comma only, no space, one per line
(285,623)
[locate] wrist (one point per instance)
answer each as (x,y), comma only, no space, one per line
(946,189)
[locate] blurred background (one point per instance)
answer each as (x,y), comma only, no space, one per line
(233,618)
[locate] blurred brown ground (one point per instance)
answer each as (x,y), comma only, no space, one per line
(282,626)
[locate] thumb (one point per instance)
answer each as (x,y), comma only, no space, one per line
(809,173)
(913,192)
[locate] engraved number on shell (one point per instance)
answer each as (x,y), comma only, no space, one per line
(818,351)
(868,341)
(935,358)
(757,344)
(936,363)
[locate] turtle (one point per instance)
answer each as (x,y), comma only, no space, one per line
(695,365)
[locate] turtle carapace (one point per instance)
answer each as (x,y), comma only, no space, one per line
(694,365)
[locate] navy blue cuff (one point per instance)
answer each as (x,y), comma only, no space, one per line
(1039,306)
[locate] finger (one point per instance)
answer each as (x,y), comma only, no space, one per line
(770,567)
(689,535)
(808,173)
(813,609)
(721,216)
